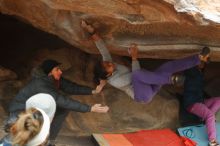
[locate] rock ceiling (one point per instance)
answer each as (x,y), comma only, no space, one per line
(156,26)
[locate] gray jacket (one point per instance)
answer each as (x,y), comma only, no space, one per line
(41,83)
(121,77)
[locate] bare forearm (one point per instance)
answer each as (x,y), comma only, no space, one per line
(100,44)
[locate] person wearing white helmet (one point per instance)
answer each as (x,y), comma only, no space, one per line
(41,120)
(48,79)
(49,108)
(43,101)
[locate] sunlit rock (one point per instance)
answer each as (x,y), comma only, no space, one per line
(202,10)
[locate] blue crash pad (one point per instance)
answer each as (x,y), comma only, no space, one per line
(198,133)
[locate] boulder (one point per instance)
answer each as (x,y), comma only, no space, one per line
(156,26)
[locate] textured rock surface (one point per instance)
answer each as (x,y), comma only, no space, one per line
(125,115)
(201,10)
(6,74)
(154,25)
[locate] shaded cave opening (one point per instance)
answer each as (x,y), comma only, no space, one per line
(20,41)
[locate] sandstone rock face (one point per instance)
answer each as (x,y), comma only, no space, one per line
(155,26)
(125,115)
(201,10)
(158,29)
(6,74)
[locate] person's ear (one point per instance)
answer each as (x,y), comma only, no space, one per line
(13,129)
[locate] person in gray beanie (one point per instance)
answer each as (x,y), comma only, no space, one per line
(48,79)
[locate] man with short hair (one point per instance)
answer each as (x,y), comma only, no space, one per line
(48,79)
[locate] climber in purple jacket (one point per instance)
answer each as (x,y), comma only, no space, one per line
(140,84)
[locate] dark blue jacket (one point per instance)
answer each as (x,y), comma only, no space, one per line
(193,87)
(6,141)
(41,83)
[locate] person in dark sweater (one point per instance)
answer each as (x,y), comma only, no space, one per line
(48,79)
(194,100)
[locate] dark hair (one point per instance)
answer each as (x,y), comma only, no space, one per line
(48,65)
(99,72)
(28,125)
(205,50)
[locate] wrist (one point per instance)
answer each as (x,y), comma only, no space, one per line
(94,92)
(134,59)
(95,37)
